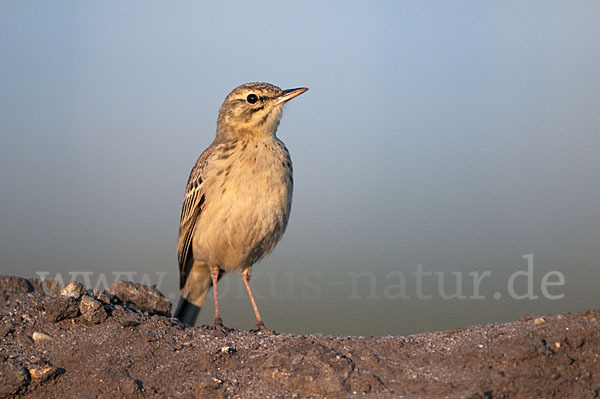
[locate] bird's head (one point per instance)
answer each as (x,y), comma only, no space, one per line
(253,109)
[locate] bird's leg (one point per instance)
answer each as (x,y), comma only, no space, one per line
(260,326)
(214,274)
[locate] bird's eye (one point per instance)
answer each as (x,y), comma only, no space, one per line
(252,98)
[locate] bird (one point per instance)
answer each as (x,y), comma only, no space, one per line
(237,199)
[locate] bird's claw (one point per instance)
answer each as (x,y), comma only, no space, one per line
(261,329)
(219,328)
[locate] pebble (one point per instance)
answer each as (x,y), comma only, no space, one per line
(101,296)
(142,297)
(130,323)
(538,321)
(40,337)
(40,373)
(61,307)
(228,349)
(74,290)
(92,310)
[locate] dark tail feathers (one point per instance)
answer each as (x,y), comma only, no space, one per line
(187,312)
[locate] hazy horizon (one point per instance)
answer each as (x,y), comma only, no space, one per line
(451,137)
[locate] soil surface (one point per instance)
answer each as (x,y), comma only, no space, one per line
(71,342)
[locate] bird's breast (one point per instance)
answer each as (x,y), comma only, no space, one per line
(248,200)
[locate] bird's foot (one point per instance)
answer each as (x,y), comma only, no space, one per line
(219,328)
(261,329)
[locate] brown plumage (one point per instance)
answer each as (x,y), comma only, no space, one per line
(238,197)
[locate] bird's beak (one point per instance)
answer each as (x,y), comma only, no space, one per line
(289,94)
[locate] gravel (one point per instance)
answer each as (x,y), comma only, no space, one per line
(71,342)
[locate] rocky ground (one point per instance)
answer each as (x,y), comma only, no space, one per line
(68,342)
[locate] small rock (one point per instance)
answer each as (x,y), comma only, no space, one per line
(41,337)
(228,349)
(92,310)
(61,307)
(557,345)
(43,374)
(74,290)
(101,296)
(538,321)
(130,323)
(118,311)
(142,297)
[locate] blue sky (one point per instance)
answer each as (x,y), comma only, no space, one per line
(459,136)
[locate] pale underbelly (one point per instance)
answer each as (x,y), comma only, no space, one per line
(241,226)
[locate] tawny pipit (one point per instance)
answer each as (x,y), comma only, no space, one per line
(238,197)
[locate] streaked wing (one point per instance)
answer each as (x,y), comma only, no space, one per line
(190,212)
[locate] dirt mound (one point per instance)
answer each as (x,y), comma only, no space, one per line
(71,342)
